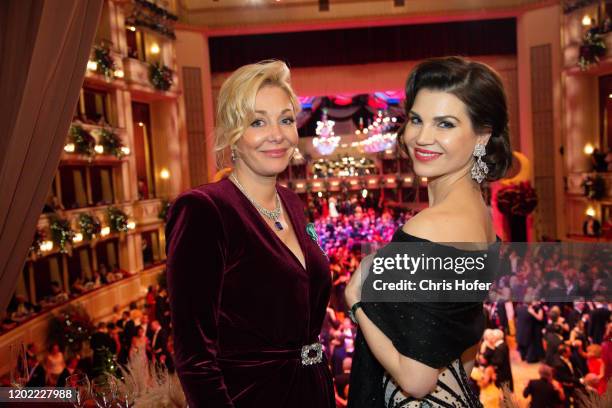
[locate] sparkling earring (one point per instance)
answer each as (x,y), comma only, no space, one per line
(233,154)
(479,169)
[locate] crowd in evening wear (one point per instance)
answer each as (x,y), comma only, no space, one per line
(143,330)
(570,341)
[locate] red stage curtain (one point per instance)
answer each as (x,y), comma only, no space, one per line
(44,48)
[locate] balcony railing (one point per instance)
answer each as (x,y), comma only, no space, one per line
(137,76)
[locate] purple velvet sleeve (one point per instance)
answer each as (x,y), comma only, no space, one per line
(195,245)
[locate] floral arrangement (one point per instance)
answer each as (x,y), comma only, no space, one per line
(117,219)
(594,187)
(84,142)
(517,199)
(89,225)
(70,328)
(61,234)
(111,142)
(163,212)
(160,76)
(35,248)
(105,62)
(592,48)
(149,15)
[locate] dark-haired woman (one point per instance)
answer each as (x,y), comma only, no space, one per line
(456,133)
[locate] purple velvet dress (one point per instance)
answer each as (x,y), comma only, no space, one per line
(242,303)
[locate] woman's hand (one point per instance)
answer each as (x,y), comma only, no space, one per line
(352,292)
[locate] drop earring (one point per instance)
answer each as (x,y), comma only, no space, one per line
(233,150)
(479,168)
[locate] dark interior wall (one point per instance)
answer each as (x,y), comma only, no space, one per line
(366,45)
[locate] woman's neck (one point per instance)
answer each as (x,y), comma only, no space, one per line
(261,189)
(455,187)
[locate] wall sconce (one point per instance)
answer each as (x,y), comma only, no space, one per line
(125,150)
(164,174)
(131,28)
(154,49)
(131,225)
(92,65)
(588,148)
(78,237)
(69,148)
(590,211)
(119,73)
(105,231)
(99,149)
(587,20)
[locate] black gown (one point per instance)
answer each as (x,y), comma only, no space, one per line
(433,333)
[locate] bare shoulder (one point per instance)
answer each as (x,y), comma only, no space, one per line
(442,225)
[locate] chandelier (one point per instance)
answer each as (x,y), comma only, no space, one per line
(380,136)
(326,142)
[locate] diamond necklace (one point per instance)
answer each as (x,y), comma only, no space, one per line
(273,215)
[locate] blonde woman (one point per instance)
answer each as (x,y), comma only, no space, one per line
(248,283)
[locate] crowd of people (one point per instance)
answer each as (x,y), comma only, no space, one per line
(551,272)
(570,340)
(21,309)
(140,331)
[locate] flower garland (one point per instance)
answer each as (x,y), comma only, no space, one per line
(517,199)
(160,76)
(153,17)
(89,225)
(117,219)
(71,328)
(36,247)
(592,48)
(105,64)
(61,234)
(594,187)
(84,142)
(111,143)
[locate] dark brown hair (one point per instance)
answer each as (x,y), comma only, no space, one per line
(480,88)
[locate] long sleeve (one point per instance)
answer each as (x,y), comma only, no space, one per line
(195,244)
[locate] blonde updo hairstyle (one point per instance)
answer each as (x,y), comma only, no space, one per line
(236,102)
